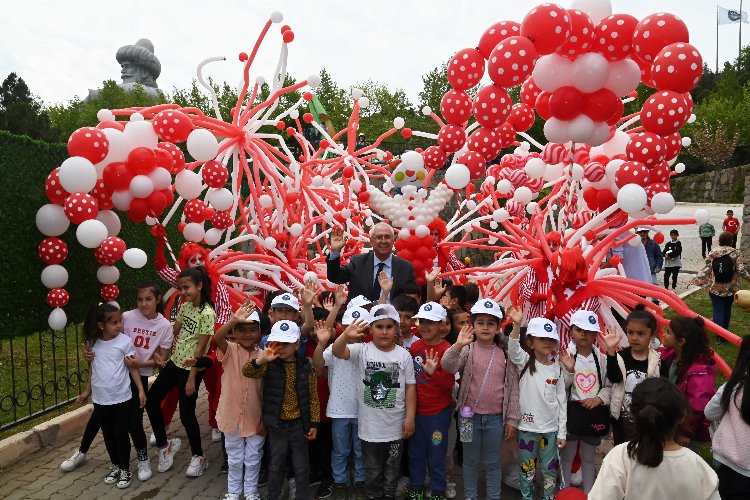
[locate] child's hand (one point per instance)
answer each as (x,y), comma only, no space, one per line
(430,362)
(244,311)
(81,399)
(386,283)
(591,403)
(510,432)
(132,362)
(465,336)
(439,288)
(142,398)
(356,331)
(611,339)
(158,359)
(322,332)
(309,292)
(312,434)
(270,353)
(189,362)
(432,276)
(567,360)
(328,303)
(88,353)
(515,315)
(560,443)
(340,295)
(408,428)
(190,387)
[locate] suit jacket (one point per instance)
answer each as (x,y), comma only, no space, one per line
(358,273)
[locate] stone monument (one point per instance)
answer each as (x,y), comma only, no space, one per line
(139,65)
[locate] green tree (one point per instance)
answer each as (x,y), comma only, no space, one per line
(199,97)
(21,113)
(335,100)
(434,86)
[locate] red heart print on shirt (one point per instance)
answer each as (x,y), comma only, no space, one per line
(585,382)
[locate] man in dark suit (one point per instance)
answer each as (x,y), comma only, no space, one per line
(362,271)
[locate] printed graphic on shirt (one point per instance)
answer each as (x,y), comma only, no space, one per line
(381,384)
(550,390)
(189,324)
(528,418)
(586,383)
(632,379)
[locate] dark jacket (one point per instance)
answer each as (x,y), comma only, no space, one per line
(655,257)
(273,392)
(358,273)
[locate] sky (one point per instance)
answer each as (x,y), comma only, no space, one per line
(61,48)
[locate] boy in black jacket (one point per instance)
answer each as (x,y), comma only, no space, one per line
(672,259)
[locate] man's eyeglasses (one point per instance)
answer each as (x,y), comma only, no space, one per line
(382,237)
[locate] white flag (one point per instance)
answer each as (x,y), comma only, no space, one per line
(729,16)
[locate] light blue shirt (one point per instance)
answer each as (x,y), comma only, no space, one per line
(387,269)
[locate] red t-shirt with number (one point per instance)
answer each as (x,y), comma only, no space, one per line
(731,225)
(433,391)
(147,335)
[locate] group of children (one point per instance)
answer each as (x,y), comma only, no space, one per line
(377,396)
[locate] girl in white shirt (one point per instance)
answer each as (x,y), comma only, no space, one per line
(652,464)
(109,386)
(543,402)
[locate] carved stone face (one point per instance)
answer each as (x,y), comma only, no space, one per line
(132,73)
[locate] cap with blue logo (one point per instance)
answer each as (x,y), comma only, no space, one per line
(432,311)
(542,327)
(585,320)
(284,331)
(285,300)
(488,306)
(359,301)
(353,314)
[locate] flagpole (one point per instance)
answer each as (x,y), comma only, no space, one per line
(717,39)
(739,54)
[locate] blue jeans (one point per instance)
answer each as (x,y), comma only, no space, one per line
(346,440)
(427,448)
(487,441)
(722,309)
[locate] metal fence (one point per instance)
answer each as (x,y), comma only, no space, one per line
(40,373)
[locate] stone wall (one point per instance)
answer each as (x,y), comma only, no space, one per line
(745,221)
(725,186)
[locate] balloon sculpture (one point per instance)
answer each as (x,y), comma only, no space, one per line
(245,194)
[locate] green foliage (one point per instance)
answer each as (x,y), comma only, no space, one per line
(21,113)
(335,100)
(199,97)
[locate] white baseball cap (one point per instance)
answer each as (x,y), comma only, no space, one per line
(432,311)
(542,327)
(284,331)
(254,317)
(352,314)
(384,311)
(488,306)
(359,301)
(286,299)
(585,320)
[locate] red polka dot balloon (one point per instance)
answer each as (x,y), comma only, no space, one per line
(177,155)
(475,162)
(511,62)
(451,138)
(465,69)
(222,219)
(647,148)
(547,26)
(80,207)
(655,188)
(214,174)
(655,32)
(529,92)
(581,35)
(103,197)
(455,106)
(507,134)
(674,145)
(110,292)
(89,142)
(613,36)
(53,251)
(664,112)
(491,106)
(195,211)
(58,297)
(632,172)
(661,173)
(113,248)
(434,157)
(53,189)
(496,34)
(172,125)
(521,117)
(677,67)
(486,142)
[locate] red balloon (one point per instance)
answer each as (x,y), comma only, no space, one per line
(512,61)
(674,145)
(172,125)
(521,117)
(613,36)
(486,142)
(434,157)
(465,69)
(111,250)
(117,177)
(589,196)
(141,161)
(547,26)
(655,32)
(566,103)
(138,210)
(111,124)
(222,219)
(475,162)
(529,92)
(632,172)
(214,174)
(58,297)
(661,173)
(542,105)
(102,196)
(601,105)
(677,67)
(491,106)
(405,254)
(81,207)
(646,76)
(164,159)
(177,156)
(664,112)
(605,199)
(195,211)
(571,493)
(53,251)
(455,106)
(507,134)
(53,189)
(658,238)
(615,118)
(157,201)
(90,143)
(451,138)
(647,148)
(581,35)
(109,292)
(496,34)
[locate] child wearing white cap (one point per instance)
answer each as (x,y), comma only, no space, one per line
(585,375)
(543,402)
(386,396)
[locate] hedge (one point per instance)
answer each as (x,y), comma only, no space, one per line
(24,166)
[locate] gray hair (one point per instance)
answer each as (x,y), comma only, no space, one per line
(382,225)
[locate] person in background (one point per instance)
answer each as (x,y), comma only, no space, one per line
(407,308)
(454,298)
(732,226)
(672,259)
(472,294)
(653,252)
(706,232)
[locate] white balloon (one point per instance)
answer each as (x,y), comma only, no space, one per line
(632,198)
(363,102)
(221,199)
(121,199)
(600,135)
(270,243)
(141,134)
(589,72)
(411,160)
(686,141)
(202,145)
(532,207)
(457,176)
(624,77)
(576,172)
(504,186)
(662,203)
(581,128)
(135,258)
(265,201)
(90,233)
(556,131)
(535,168)
(77,175)
(553,172)
(141,186)
(702,216)
(422,231)
(119,147)
(213,236)
(611,169)
(54,276)
(500,215)
(136,117)
(51,220)
(161,178)
(404,233)
(193,231)
(105,115)
(399,123)
(551,72)
(679,168)
(522,195)
(595,9)
(111,220)
(107,274)
(357,93)
(188,184)
(616,145)
(295,229)
(57,319)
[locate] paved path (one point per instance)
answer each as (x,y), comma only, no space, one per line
(39,476)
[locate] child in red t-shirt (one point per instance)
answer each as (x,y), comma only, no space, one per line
(731,225)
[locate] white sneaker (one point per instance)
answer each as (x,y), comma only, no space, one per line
(144,470)
(232,496)
(576,478)
(113,476)
(125,478)
(70,464)
(450,490)
(166,455)
(152,439)
(253,496)
(197,466)
(216,435)
(292,488)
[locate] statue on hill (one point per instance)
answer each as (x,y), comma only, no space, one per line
(139,65)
